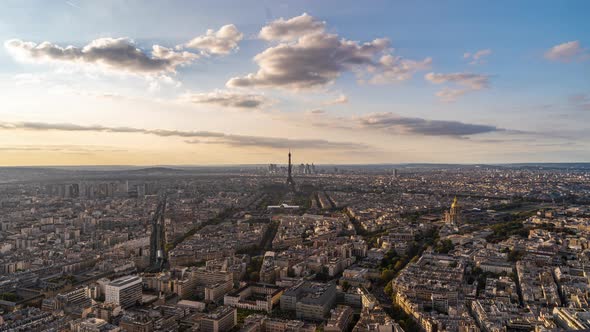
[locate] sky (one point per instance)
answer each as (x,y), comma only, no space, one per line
(241,82)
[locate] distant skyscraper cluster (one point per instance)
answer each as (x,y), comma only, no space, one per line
(303,168)
(306,169)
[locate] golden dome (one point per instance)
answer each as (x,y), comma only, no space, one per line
(455,203)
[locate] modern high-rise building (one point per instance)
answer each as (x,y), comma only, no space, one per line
(125,291)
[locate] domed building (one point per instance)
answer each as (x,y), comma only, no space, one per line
(453,216)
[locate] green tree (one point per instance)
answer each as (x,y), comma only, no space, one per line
(254,276)
(387,275)
(515,255)
(345,286)
(444,246)
(398,266)
(388,289)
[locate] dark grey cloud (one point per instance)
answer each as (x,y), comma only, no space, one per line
(229,99)
(419,126)
(117,54)
(307,57)
(201,137)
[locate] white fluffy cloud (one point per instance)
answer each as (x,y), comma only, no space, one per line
(122,55)
(307,57)
(219,42)
(468,81)
(341,99)
(114,54)
(477,57)
(567,52)
(229,99)
(291,29)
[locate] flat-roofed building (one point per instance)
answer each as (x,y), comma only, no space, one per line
(125,291)
(222,319)
(309,300)
(215,292)
(340,319)
(259,297)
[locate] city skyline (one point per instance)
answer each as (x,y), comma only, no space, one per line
(210,83)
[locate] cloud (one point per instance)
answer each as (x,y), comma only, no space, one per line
(219,42)
(418,126)
(71,4)
(204,137)
(469,82)
(567,52)
(291,29)
(78,149)
(450,95)
(341,99)
(229,99)
(395,68)
(308,57)
(41,126)
(315,112)
(282,143)
(114,54)
(122,55)
(477,57)
(580,101)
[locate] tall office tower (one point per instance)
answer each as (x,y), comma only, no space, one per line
(290,181)
(302,169)
(158,237)
(125,291)
(453,216)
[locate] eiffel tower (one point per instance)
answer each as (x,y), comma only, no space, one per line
(290,181)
